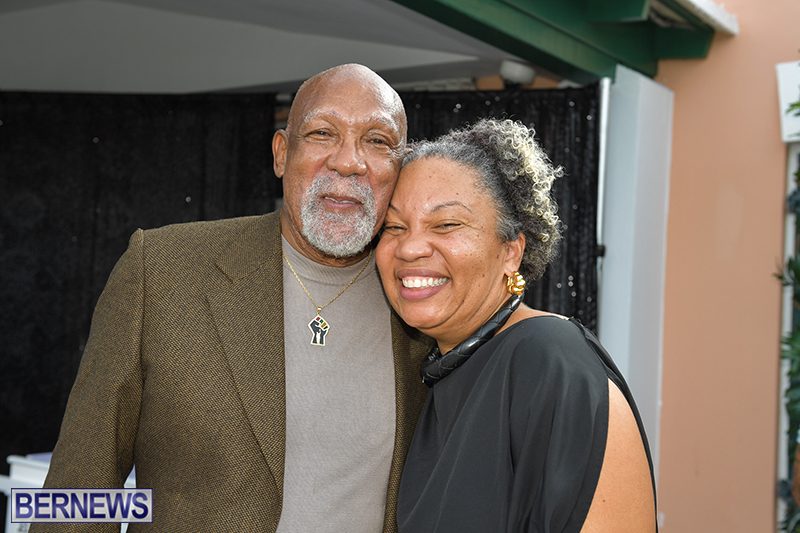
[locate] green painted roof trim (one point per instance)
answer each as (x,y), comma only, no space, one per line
(617,11)
(581,40)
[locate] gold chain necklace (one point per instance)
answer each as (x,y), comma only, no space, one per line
(319,326)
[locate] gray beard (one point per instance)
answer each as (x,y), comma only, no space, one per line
(338,234)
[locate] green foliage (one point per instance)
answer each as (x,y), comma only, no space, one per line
(794,109)
(791,276)
(791,353)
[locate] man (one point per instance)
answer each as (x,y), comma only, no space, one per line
(210,365)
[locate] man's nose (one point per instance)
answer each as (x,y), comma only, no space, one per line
(348,159)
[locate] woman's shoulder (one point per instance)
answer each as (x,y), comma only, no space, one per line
(545,329)
(550,345)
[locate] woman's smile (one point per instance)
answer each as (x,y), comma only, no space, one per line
(416,283)
(419,285)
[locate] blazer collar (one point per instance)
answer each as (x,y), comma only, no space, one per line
(249,317)
(256,247)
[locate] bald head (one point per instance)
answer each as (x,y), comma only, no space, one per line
(339,158)
(349,80)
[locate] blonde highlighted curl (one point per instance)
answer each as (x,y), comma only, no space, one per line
(517,175)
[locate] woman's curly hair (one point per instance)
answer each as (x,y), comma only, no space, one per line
(516,173)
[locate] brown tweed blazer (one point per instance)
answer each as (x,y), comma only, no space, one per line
(183,375)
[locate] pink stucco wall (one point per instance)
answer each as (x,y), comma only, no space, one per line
(719,425)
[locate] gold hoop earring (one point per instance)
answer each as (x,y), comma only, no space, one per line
(515,283)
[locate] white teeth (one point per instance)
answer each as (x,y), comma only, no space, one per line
(339,201)
(416,283)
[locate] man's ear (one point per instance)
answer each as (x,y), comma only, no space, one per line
(514,251)
(280,142)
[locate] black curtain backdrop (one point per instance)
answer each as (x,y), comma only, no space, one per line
(79,174)
(566,124)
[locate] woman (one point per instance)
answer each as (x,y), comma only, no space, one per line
(528,425)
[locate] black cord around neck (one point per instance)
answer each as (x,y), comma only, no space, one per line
(436,366)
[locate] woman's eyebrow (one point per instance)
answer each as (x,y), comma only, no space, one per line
(452,203)
(437,207)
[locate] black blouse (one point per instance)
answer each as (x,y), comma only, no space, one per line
(513,440)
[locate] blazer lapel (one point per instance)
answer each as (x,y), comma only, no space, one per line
(409,346)
(249,318)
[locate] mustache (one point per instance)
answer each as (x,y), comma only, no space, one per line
(326,184)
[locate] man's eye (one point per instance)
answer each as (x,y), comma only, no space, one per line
(318,134)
